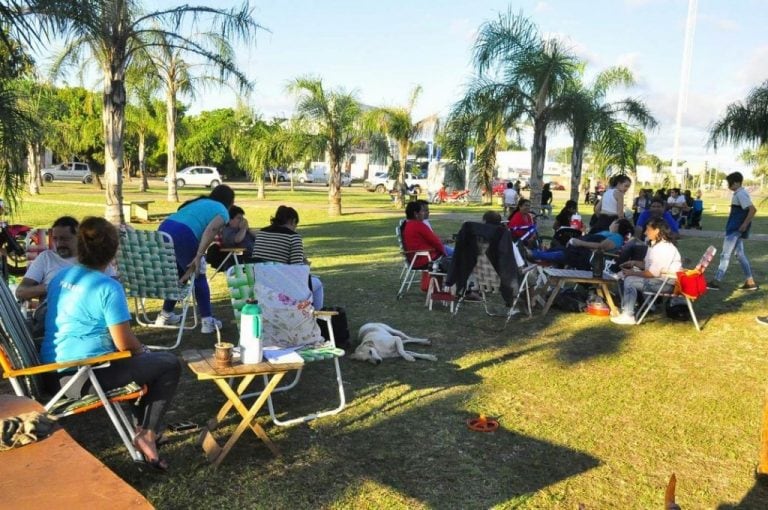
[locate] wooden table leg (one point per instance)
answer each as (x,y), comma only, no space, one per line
(555,292)
(216,453)
(609,298)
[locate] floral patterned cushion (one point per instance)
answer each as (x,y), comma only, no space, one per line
(282,291)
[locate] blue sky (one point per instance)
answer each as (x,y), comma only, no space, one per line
(381,50)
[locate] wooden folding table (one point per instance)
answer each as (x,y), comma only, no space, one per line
(562,276)
(201,362)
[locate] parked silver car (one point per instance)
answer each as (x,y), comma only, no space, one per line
(79,172)
(198,176)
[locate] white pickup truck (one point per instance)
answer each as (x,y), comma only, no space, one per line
(381,183)
(415,184)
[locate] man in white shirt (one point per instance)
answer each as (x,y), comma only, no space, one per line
(510,199)
(48,263)
(676,204)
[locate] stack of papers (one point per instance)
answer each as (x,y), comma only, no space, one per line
(278,356)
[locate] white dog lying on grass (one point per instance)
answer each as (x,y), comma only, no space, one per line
(379,341)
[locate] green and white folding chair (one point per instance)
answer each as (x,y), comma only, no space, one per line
(147,266)
(21,366)
(241,280)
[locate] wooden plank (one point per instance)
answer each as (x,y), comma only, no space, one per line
(56,472)
(50,367)
(201,363)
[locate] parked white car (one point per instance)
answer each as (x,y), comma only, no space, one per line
(377,183)
(198,176)
(80,172)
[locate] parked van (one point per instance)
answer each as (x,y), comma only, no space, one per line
(318,172)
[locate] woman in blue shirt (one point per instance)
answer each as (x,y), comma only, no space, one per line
(193,228)
(576,254)
(88,316)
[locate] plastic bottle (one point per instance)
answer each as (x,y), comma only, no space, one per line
(250,333)
(576,222)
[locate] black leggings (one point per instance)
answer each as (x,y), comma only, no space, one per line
(160,371)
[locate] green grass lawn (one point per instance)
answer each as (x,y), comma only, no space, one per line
(590,412)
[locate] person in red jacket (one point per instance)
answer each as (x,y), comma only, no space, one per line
(417,236)
(521,221)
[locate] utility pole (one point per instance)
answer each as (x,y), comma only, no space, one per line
(685,76)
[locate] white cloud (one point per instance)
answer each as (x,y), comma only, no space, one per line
(542,7)
(638,3)
(579,49)
(719,23)
(754,71)
(464,28)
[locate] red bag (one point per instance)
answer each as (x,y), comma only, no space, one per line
(425,281)
(691,283)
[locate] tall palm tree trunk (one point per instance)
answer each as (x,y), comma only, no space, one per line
(577,160)
(260,187)
(170,124)
(143,183)
(113,119)
(400,198)
(538,158)
(334,187)
(33,169)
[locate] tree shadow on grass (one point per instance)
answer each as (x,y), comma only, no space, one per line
(426,454)
(756,498)
(591,342)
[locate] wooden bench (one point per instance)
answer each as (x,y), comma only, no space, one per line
(56,472)
(138,209)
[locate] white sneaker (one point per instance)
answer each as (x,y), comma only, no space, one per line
(167,319)
(209,325)
(624,319)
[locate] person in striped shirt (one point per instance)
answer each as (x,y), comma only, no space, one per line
(279,242)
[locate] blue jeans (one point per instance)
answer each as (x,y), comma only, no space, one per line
(551,255)
(634,285)
(733,243)
(185,246)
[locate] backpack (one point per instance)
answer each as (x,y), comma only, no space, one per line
(339,325)
(571,300)
(677,309)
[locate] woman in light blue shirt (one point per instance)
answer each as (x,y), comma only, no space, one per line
(88,316)
(193,228)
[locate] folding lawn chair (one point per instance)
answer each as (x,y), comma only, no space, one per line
(147,266)
(532,283)
(486,256)
(241,281)
(222,258)
(409,271)
(652,297)
(437,291)
(21,365)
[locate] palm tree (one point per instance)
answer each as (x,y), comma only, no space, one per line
(743,122)
(589,116)
(397,124)
(620,146)
(244,139)
(114,32)
(177,77)
(333,116)
(18,124)
(523,75)
(142,114)
(17,127)
(475,123)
